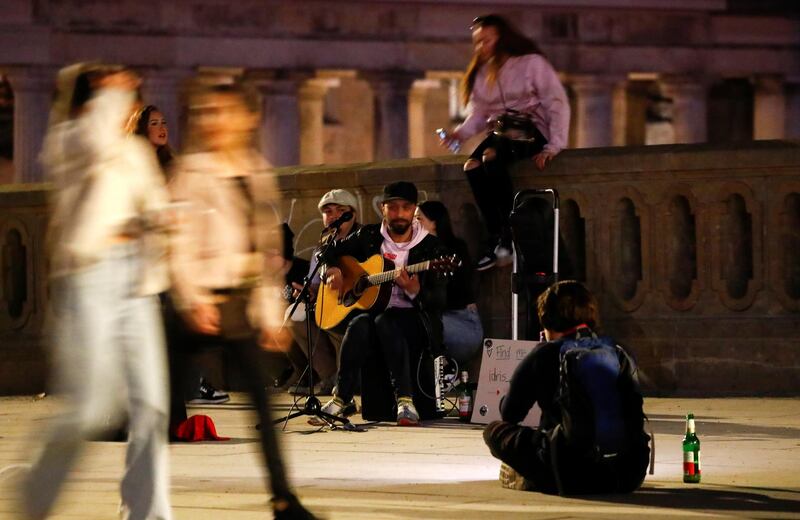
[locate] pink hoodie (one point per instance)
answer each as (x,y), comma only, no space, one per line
(398,254)
(529,84)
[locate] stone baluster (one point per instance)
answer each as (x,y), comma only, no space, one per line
(280,130)
(33,94)
(769,108)
(793,108)
(593,110)
(418,116)
(312,119)
(391,92)
(689,107)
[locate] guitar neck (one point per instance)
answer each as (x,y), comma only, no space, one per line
(389,276)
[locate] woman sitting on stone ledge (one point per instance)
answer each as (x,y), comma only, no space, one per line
(514,94)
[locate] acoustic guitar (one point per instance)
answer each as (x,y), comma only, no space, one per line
(366,286)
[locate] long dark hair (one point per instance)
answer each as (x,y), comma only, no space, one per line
(437,212)
(164,152)
(510,42)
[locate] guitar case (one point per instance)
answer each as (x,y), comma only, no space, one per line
(377,395)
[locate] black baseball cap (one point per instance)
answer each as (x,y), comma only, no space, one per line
(400,190)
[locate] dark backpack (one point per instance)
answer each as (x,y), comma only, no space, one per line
(602,420)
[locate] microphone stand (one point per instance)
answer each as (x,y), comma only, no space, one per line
(312,405)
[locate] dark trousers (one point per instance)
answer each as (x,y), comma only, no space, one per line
(529,452)
(491,182)
(524,449)
(396,333)
(247,356)
(358,338)
(325,346)
(401,332)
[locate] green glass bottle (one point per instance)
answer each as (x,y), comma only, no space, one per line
(691,453)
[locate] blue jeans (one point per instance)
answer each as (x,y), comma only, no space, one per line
(109,356)
(463,334)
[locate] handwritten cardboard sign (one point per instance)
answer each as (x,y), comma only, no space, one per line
(500,359)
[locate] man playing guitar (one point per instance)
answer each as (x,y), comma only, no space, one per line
(412,319)
(332,206)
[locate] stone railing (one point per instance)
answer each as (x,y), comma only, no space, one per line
(693,250)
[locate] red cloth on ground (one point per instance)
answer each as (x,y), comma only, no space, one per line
(197,428)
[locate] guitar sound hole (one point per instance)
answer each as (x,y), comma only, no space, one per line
(352,296)
(361,285)
(349,299)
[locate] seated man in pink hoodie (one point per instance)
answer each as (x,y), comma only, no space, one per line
(411,323)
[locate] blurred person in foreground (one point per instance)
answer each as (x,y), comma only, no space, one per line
(106,266)
(226,260)
(587,387)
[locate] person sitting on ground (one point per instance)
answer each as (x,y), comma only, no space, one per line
(544,458)
(463,332)
(326,343)
(412,320)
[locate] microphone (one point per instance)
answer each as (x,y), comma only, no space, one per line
(347,216)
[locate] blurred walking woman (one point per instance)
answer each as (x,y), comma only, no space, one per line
(226,258)
(514,95)
(106,267)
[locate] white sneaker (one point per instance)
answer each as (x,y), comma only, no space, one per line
(406,412)
(207,394)
(335,407)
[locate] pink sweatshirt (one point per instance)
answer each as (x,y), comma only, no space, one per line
(529,84)
(398,254)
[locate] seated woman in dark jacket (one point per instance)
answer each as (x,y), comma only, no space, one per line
(463,332)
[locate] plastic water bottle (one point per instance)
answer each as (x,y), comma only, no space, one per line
(455,144)
(691,453)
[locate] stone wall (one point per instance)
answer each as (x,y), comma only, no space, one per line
(694,251)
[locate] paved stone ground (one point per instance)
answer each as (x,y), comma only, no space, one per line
(751,468)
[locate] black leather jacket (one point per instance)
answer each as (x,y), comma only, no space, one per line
(432,296)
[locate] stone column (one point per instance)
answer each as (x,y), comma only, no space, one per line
(792,120)
(279,133)
(593,110)
(33,94)
(312,120)
(417,116)
(619,114)
(769,110)
(391,91)
(689,107)
(162,88)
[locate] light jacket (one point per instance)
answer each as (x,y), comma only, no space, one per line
(529,84)
(106,183)
(219,243)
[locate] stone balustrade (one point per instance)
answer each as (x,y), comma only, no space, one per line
(693,250)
